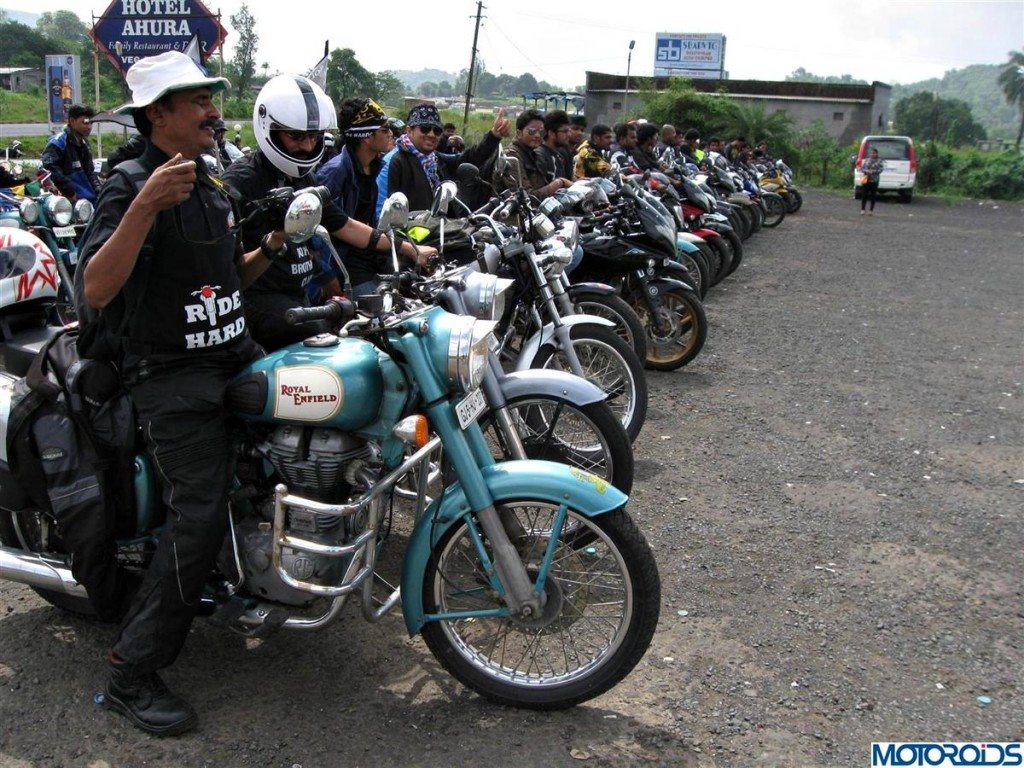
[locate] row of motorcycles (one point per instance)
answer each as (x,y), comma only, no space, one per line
(486,407)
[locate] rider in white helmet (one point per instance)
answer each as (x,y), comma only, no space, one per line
(290,118)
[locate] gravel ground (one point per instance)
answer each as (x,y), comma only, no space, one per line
(833,493)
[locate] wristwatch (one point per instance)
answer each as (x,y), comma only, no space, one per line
(271,254)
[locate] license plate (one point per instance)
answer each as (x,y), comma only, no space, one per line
(64,232)
(472,405)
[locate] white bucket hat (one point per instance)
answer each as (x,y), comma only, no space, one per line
(155,76)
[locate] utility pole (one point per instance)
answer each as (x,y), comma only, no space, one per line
(472,66)
(629,61)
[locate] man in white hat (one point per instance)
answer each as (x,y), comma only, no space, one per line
(161,240)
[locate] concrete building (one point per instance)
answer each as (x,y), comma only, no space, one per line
(21,78)
(847,111)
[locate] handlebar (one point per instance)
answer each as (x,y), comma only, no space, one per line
(337,310)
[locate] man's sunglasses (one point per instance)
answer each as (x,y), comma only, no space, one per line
(303,135)
(430,129)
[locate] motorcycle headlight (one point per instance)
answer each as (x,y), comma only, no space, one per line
(83,211)
(468,350)
(485,295)
(59,210)
(29,211)
(542,226)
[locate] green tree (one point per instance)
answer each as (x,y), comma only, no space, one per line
(753,123)
(684,107)
(387,88)
(244,61)
(801,75)
(22,46)
(926,116)
(347,78)
(1011,81)
(444,88)
(63,25)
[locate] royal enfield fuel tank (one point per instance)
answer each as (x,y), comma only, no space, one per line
(338,385)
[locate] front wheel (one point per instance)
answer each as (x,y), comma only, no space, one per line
(613,307)
(677,335)
(601,610)
(796,200)
(776,209)
(612,365)
(553,429)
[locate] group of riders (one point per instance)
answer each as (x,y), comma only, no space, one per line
(193,278)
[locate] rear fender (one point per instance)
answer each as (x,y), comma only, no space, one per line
(546,337)
(508,480)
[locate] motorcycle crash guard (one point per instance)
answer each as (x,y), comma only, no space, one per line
(559,384)
(546,481)
(546,336)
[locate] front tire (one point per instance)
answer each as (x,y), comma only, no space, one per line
(680,336)
(585,436)
(776,209)
(613,307)
(603,602)
(610,363)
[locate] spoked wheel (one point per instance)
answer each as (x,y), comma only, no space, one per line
(680,335)
(697,268)
(611,364)
(613,307)
(601,610)
(585,436)
(776,209)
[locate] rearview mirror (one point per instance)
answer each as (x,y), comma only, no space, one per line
(444,194)
(302,217)
(394,213)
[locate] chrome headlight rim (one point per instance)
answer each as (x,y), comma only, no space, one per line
(59,210)
(29,210)
(84,210)
(468,350)
(484,295)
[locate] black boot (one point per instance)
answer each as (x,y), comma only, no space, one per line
(146,701)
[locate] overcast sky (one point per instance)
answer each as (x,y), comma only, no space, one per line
(887,40)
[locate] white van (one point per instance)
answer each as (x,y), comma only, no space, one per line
(900,164)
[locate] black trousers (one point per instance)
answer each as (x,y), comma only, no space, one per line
(868,191)
(181,410)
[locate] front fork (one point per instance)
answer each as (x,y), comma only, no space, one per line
(506,572)
(652,300)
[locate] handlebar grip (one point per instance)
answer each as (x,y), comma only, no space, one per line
(337,309)
(320,191)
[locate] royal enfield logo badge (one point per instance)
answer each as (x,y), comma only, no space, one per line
(307,393)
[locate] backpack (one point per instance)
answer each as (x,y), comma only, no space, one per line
(70,442)
(102,333)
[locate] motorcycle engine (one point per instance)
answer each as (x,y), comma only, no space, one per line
(314,463)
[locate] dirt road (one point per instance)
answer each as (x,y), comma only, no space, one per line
(833,490)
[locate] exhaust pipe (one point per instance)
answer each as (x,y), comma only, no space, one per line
(37,570)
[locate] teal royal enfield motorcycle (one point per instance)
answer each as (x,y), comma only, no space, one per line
(509,601)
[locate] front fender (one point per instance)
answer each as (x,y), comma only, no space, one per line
(545,335)
(601,289)
(510,480)
(684,245)
(557,384)
(663,283)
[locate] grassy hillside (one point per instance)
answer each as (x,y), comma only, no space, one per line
(978,86)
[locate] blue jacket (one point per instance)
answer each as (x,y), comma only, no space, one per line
(69,162)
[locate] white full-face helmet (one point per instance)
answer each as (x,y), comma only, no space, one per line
(291,103)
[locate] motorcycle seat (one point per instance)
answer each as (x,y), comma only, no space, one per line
(22,348)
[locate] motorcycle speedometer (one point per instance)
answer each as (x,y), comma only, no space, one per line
(59,210)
